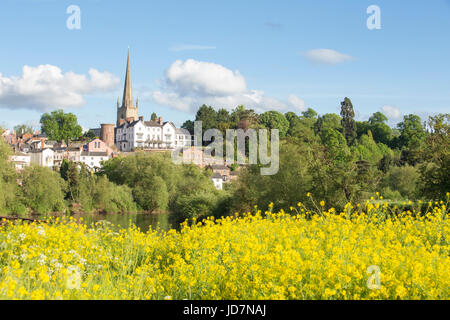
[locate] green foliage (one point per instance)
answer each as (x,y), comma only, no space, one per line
(43,190)
(94,193)
(10,194)
(348,123)
(402,179)
(208,116)
(89,135)
(435,171)
(59,125)
(275,120)
(151,192)
(309,113)
(158,184)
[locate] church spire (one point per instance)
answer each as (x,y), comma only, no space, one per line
(127,91)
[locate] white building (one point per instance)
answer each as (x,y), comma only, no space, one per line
(20,160)
(150,135)
(42,157)
(217,179)
(93,160)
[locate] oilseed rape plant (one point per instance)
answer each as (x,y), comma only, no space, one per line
(303,254)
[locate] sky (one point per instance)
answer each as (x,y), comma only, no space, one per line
(265,54)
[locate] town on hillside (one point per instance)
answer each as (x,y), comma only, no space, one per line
(130,134)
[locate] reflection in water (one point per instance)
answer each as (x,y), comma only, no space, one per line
(124,220)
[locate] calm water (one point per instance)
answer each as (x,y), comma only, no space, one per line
(144,221)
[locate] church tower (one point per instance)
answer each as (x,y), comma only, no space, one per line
(127,111)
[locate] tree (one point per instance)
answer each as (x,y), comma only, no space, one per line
(43,190)
(411,139)
(402,179)
(208,116)
(10,194)
(242,118)
(275,120)
(89,135)
(151,193)
(22,129)
(328,121)
(309,113)
(435,171)
(348,122)
(153,117)
(188,125)
(59,125)
(381,132)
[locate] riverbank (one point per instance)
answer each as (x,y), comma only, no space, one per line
(280,256)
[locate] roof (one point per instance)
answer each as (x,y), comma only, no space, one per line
(128,124)
(182,131)
(216,176)
(219,167)
(41,150)
(152,124)
(94,154)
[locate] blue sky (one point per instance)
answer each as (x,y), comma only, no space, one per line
(259,53)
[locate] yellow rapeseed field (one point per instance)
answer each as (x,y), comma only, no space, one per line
(361,253)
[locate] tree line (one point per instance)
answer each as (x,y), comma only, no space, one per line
(331,157)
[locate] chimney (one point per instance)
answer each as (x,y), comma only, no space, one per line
(121,122)
(141,118)
(160,121)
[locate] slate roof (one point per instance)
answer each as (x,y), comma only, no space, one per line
(94,154)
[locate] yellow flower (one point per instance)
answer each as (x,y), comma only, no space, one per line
(322,203)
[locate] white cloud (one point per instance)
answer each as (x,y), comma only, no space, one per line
(189,84)
(327,56)
(391,112)
(205,78)
(190,47)
(46,87)
(296,102)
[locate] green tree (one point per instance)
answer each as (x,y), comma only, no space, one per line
(309,113)
(411,139)
(59,125)
(402,179)
(275,120)
(328,121)
(153,117)
(10,194)
(435,171)
(43,190)
(89,135)
(348,122)
(208,116)
(381,132)
(243,118)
